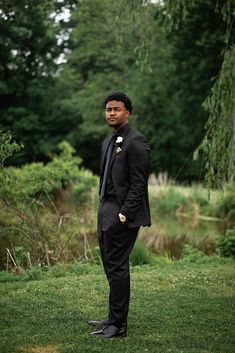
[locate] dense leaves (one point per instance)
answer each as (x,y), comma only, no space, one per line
(55,71)
(30,48)
(217,146)
(29,214)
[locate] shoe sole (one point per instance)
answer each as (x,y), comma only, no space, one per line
(119,335)
(96,324)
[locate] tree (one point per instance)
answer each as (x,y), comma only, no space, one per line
(28,66)
(107,53)
(107,46)
(218,142)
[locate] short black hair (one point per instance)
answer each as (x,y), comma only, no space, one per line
(121,97)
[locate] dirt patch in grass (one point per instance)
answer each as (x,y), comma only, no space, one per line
(41,349)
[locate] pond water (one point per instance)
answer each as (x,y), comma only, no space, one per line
(168,234)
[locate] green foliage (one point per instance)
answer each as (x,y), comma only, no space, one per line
(76,268)
(176,11)
(21,256)
(226,244)
(97,255)
(225,207)
(191,254)
(200,197)
(30,219)
(20,184)
(168,200)
(168,75)
(194,200)
(140,254)
(58,270)
(218,145)
(6,276)
(31,42)
(33,274)
(195,71)
(7,147)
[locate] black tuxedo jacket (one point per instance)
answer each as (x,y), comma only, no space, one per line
(129,170)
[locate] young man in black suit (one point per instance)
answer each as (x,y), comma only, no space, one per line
(124,207)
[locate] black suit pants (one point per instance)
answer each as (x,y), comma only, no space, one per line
(116,243)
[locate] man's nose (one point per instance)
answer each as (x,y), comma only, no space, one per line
(112,112)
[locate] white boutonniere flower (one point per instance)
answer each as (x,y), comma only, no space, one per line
(119,142)
(119,139)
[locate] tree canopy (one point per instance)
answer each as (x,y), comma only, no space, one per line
(55,71)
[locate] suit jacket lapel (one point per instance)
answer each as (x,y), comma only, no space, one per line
(104,150)
(124,135)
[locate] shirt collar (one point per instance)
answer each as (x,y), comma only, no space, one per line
(122,131)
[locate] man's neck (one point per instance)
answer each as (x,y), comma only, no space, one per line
(115,130)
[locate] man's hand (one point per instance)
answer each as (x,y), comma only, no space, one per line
(122,218)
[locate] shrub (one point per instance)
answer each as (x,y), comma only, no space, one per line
(97,255)
(226,244)
(9,277)
(30,220)
(167,201)
(58,270)
(191,254)
(201,198)
(33,274)
(141,255)
(226,203)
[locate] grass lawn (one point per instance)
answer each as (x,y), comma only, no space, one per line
(178,307)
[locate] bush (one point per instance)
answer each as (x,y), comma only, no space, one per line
(191,254)
(29,218)
(6,277)
(167,201)
(200,197)
(226,204)
(141,255)
(81,191)
(226,244)
(33,274)
(58,270)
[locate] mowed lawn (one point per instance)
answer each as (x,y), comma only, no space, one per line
(178,307)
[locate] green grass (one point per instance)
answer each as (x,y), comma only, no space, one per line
(178,307)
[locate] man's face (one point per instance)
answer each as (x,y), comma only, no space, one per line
(116,114)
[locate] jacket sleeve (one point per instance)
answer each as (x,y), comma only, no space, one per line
(138,161)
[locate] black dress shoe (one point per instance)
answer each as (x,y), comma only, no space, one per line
(98,322)
(110,331)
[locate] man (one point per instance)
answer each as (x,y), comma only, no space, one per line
(124,207)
